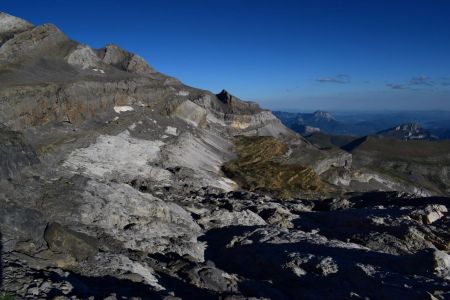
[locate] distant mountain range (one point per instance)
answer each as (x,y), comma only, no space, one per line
(400,125)
(408,131)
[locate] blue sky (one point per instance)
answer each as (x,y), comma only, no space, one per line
(293,55)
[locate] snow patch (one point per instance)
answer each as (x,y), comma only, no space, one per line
(171,130)
(119,109)
(183,93)
(98,70)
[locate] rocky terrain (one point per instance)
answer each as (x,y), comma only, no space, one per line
(119,182)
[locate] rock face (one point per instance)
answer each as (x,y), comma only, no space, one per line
(112,186)
(15,154)
(124,60)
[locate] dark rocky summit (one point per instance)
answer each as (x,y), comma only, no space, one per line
(112,186)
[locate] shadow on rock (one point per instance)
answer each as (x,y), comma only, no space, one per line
(102,287)
(304,269)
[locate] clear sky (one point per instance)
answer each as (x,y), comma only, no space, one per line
(296,55)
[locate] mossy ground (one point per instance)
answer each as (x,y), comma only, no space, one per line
(256,168)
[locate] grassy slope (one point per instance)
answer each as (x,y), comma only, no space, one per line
(256,168)
(415,162)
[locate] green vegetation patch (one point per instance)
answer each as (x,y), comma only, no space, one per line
(7,296)
(256,169)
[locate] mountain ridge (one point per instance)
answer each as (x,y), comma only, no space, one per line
(113,187)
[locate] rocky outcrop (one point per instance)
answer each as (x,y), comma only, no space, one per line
(10,25)
(84,57)
(124,60)
(38,41)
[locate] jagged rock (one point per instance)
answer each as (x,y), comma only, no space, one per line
(140,221)
(126,61)
(223,218)
(278,216)
(430,214)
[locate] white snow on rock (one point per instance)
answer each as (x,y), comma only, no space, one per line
(171,130)
(119,156)
(183,93)
(119,109)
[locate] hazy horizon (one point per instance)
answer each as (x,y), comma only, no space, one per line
(288,55)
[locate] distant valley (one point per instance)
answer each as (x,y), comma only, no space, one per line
(435,124)
(390,145)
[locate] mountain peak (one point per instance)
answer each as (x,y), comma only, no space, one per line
(408,131)
(324,115)
(225,96)
(408,127)
(10,25)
